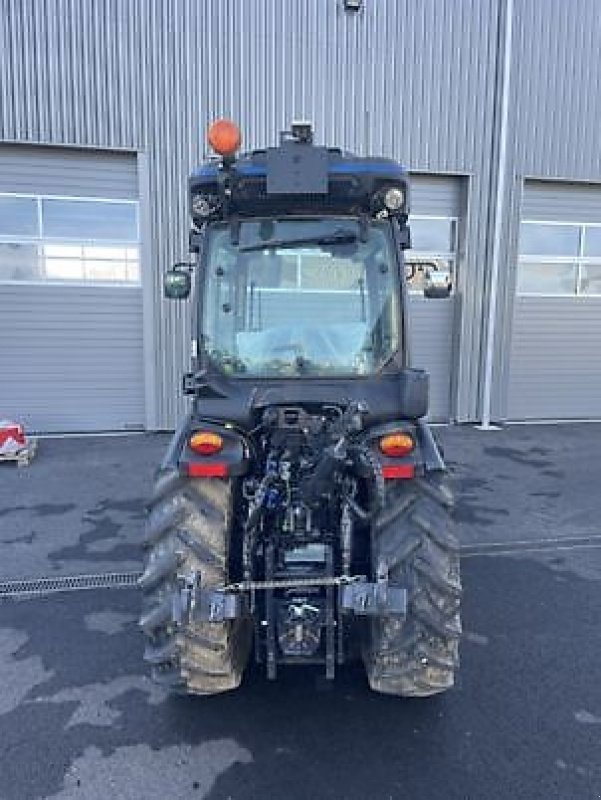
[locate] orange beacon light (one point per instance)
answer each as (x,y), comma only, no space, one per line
(224,137)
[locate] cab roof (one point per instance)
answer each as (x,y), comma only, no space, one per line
(296,177)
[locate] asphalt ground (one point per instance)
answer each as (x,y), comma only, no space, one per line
(79,718)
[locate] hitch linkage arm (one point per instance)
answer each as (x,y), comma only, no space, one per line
(355,596)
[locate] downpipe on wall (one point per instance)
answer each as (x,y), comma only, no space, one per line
(498,223)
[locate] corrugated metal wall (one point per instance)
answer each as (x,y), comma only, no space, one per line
(149,74)
(437,195)
(554,121)
(561,202)
(71,355)
(74,173)
(416,81)
(555,362)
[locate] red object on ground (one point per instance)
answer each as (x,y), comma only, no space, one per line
(11,431)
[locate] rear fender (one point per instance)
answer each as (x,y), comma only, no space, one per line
(232,460)
(425,457)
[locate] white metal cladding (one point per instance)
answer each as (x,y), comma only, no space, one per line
(69,173)
(554,128)
(562,202)
(437,195)
(555,370)
(555,364)
(432,348)
(557,103)
(412,81)
(71,357)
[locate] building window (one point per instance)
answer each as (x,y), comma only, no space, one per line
(433,249)
(18,216)
(56,239)
(559,259)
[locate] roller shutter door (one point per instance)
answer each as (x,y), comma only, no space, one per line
(555,368)
(70,290)
(436,205)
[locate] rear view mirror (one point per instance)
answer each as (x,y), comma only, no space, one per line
(177,282)
(437,284)
(437,291)
(433,277)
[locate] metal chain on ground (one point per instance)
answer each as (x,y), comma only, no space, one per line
(247,586)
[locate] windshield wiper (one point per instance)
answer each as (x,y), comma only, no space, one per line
(343,237)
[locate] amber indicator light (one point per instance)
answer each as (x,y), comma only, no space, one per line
(206,443)
(396,445)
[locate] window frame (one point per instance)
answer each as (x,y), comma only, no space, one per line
(579,260)
(23,236)
(452,256)
(202,319)
(40,240)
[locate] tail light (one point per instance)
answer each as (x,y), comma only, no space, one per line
(207,470)
(397,445)
(393,471)
(206,443)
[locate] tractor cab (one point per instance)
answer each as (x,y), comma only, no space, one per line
(299,250)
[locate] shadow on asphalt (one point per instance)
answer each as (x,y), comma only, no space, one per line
(520,723)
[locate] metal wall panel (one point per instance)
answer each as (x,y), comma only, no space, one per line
(562,202)
(557,100)
(555,364)
(437,195)
(71,357)
(554,120)
(70,172)
(412,81)
(432,349)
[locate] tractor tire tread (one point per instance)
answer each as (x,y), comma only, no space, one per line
(188,531)
(415,547)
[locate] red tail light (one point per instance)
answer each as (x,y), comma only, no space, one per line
(196,470)
(398,471)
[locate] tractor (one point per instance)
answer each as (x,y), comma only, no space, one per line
(302,514)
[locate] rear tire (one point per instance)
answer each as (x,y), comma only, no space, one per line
(413,544)
(189,530)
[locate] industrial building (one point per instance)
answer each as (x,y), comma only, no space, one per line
(493,105)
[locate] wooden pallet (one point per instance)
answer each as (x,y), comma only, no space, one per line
(22,456)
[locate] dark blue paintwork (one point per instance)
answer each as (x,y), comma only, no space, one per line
(343,167)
